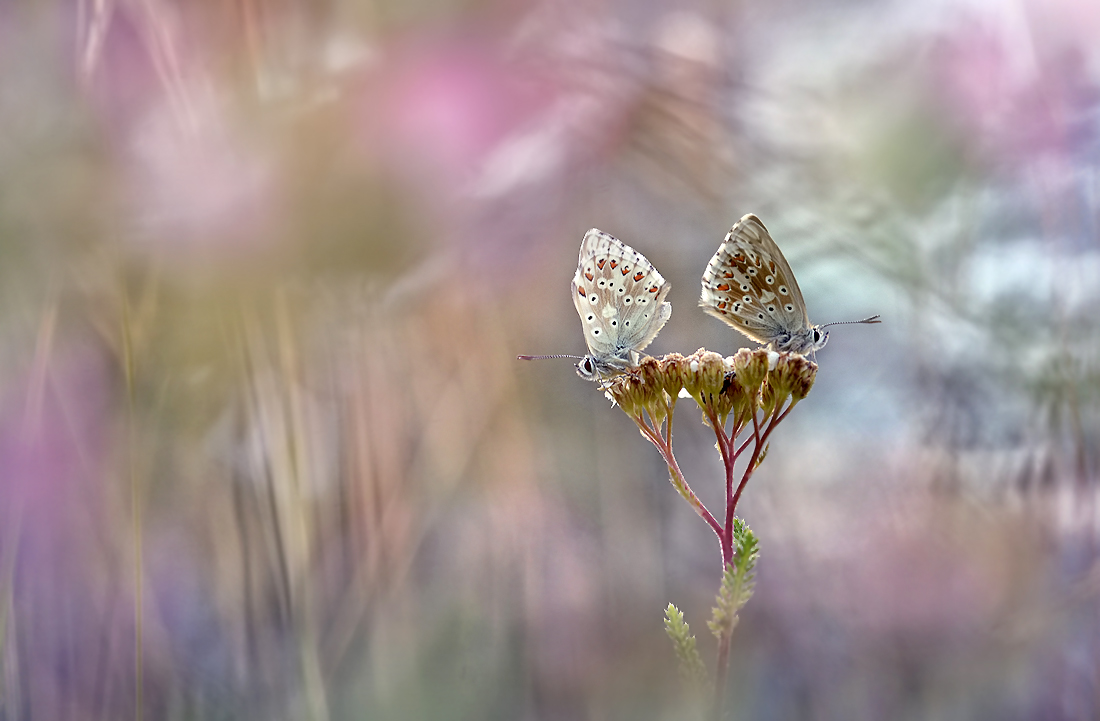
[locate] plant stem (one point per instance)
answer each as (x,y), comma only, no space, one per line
(724,446)
(721,673)
(729,460)
(664,447)
(760,440)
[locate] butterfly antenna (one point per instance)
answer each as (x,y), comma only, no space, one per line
(872,319)
(544,357)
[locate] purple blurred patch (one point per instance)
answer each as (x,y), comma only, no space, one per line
(1020,83)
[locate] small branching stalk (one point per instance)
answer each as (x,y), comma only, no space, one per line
(743,398)
(692,668)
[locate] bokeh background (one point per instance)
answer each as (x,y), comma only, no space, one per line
(266,451)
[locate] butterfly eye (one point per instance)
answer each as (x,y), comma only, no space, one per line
(817,335)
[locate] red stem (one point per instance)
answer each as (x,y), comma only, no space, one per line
(761,439)
(724,444)
(665,449)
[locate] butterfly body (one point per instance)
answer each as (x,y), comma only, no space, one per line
(620,298)
(749,285)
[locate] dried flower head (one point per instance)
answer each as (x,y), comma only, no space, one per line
(704,374)
(751,366)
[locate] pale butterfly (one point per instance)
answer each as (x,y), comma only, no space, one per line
(749,285)
(620,298)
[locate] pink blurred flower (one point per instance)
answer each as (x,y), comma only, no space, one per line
(195,185)
(435,107)
(1019,82)
(53,430)
(57,490)
(207,193)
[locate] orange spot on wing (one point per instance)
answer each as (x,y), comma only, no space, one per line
(625,270)
(727,274)
(580,291)
(724,286)
(614,264)
(588,275)
(638,276)
(722,305)
(600,262)
(653,289)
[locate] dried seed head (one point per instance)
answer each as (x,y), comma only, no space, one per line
(642,389)
(748,380)
(769,397)
(650,373)
(805,373)
(673,366)
(751,367)
(703,373)
(792,376)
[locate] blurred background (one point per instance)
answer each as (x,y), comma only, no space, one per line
(266,451)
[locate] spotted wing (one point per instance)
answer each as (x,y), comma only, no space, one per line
(620,298)
(749,285)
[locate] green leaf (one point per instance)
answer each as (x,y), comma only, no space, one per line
(683,643)
(738,580)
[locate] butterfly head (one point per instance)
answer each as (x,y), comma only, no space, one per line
(819,337)
(600,368)
(804,341)
(587,369)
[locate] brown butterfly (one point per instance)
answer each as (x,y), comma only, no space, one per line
(749,285)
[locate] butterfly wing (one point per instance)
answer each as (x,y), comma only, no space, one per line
(620,298)
(749,285)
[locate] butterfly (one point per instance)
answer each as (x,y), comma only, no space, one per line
(749,285)
(620,298)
